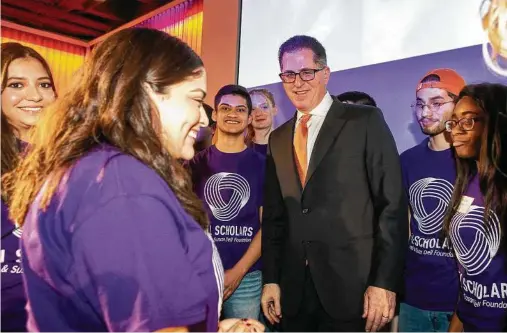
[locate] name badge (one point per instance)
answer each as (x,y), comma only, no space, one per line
(465,204)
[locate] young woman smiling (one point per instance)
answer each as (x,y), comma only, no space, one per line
(477,220)
(114,238)
(27,89)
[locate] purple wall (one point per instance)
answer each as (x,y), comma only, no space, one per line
(392,85)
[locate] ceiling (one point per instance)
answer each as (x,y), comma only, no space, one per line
(81,19)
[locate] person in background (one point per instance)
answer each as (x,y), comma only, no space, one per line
(264,110)
(114,238)
(476,222)
(356,97)
(429,172)
(205,136)
(27,89)
(229,178)
(334,211)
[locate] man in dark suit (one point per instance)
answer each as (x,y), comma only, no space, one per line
(335,214)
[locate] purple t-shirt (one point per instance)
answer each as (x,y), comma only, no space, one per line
(115,251)
(13,295)
(431,279)
(482,259)
(230,185)
(261,149)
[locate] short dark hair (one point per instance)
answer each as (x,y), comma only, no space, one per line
(234,89)
(357,97)
(436,78)
(299,42)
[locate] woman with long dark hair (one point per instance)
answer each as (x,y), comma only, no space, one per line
(27,90)
(114,238)
(477,220)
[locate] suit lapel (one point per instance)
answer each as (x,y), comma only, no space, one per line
(332,126)
(287,157)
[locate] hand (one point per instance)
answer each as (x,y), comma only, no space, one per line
(232,280)
(240,325)
(456,325)
(270,301)
(379,305)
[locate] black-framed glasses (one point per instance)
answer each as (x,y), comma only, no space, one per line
(466,124)
(433,106)
(306,74)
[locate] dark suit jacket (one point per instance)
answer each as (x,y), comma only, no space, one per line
(349,221)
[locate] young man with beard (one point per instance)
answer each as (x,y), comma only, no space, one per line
(264,109)
(431,280)
(228,177)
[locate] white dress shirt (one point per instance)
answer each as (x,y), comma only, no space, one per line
(315,123)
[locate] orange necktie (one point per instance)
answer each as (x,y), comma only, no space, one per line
(300,141)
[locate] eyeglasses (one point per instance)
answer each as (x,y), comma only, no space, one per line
(433,107)
(306,74)
(466,124)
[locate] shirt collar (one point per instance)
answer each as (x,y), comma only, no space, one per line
(321,109)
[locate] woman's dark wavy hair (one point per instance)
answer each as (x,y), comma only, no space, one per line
(491,166)
(109,104)
(10,148)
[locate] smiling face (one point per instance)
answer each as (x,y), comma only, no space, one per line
(28,91)
(263,112)
(468,143)
(232,115)
(305,95)
(433,109)
(182,114)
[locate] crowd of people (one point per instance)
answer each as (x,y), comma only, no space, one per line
(129,204)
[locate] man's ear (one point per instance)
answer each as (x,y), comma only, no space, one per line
(214,116)
(275,111)
(327,74)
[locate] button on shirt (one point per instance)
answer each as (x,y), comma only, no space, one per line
(315,123)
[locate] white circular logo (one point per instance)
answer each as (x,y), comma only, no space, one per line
(225,181)
(430,192)
(475,256)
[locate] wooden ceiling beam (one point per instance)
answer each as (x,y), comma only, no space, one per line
(45,22)
(43,33)
(138,20)
(60,14)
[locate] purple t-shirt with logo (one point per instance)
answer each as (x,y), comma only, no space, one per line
(13,295)
(482,258)
(230,185)
(115,251)
(431,279)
